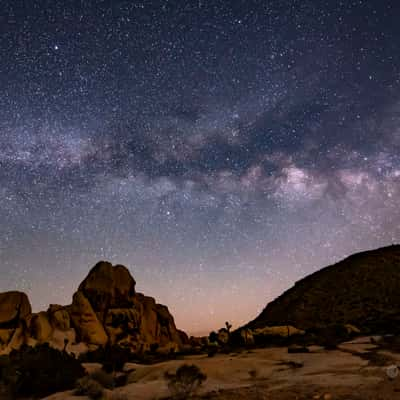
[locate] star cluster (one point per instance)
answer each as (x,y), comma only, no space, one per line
(221,150)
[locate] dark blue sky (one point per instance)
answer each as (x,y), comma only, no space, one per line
(221,150)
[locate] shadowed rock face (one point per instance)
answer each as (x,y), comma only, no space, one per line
(105,309)
(363,290)
(108,287)
(85,321)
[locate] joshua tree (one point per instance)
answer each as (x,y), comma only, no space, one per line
(228,326)
(66,341)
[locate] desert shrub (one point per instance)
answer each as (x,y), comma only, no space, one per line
(388,342)
(108,380)
(87,386)
(213,337)
(103,378)
(331,336)
(39,371)
(113,358)
(377,359)
(185,382)
(120,380)
(154,347)
(236,339)
(94,356)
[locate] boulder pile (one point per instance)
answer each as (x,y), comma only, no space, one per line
(106,309)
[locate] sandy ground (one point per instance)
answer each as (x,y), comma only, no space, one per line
(325,375)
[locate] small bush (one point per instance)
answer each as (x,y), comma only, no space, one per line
(103,378)
(388,342)
(236,339)
(330,336)
(113,358)
(185,382)
(213,337)
(377,359)
(87,386)
(154,347)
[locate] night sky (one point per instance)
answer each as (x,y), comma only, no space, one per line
(220,149)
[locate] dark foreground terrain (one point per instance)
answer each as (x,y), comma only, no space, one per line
(355,370)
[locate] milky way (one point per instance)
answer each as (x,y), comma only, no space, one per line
(220,149)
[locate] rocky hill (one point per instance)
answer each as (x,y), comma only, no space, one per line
(106,309)
(363,290)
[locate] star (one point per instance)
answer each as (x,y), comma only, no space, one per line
(225,150)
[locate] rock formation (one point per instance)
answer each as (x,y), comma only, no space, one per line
(362,290)
(105,310)
(14,307)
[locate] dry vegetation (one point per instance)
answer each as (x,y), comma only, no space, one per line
(354,370)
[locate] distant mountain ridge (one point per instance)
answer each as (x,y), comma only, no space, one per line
(363,290)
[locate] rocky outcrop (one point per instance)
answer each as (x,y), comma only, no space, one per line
(362,290)
(40,326)
(282,331)
(14,307)
(108,287)
(15,312)
(105,310)
(59,317)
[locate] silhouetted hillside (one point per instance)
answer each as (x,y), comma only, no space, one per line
(363,289)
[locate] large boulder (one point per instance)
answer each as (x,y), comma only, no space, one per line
(14,306)
(19,337)
(282,331)
(108,287)
(40,327)
(184,338)
(59,317)
(15,312)
(156,324)
(85,321)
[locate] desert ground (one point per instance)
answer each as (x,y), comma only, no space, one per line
(356,370)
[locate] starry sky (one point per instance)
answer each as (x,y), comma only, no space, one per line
(221,150)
